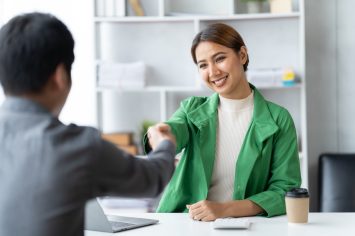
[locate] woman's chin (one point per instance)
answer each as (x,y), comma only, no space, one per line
(219,89)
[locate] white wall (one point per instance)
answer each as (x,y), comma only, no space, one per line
(320,86)
(330,57)
(346,75)
(77,15)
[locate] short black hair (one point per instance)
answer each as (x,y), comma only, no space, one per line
(32,45)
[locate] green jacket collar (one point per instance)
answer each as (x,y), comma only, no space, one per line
(265,125)
(201,115)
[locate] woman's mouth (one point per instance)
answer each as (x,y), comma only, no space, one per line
(220,82)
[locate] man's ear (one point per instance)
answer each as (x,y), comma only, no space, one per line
(59,78)
(243,54)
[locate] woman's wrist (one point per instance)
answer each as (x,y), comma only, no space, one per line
(239,208)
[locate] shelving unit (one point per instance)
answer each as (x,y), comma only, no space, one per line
(162,40)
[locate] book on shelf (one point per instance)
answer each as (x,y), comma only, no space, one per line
(132,149)
(122,75)
(110,8)
(280,6)
(123,140)
(136,7)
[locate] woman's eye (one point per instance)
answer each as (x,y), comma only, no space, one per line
(219,59)
(202,66)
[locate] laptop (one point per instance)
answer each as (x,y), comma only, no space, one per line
(96,220)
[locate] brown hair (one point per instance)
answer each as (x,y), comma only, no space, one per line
(221,34)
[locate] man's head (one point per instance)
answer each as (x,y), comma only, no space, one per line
(35,48)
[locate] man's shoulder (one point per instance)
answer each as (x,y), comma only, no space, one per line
(77,129)
(75,134)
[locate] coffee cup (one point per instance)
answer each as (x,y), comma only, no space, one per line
(297,205)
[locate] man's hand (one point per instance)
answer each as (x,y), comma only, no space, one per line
(158,133)
(206,210)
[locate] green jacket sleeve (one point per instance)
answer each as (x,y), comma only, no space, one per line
(285,168)
(179,127)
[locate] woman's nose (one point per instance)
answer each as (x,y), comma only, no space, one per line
(213,71)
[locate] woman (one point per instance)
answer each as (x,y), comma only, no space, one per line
(240,151)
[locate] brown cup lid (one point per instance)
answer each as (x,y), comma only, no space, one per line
(298,193)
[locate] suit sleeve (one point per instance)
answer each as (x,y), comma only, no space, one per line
(115,172)
(285,171)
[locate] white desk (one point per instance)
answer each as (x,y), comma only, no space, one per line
(320,224)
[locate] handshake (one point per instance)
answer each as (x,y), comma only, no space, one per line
(158,133)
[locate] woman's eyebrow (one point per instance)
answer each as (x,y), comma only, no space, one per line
(213,56)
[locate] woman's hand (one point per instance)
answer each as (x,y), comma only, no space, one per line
(206,210)
(209,211)
(158,133)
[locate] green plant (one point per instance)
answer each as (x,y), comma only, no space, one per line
(144,128)
(254,0)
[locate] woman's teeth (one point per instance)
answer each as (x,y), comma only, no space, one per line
(220,81)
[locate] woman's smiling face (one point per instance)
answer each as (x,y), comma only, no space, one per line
(221,68)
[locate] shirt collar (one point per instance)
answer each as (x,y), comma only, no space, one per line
(14,103)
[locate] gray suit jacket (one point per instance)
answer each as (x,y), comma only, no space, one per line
(48,171)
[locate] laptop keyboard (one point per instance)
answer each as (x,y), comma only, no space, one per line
(119,225)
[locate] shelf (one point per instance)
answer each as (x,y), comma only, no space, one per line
(142,19)
(264,87)
(152,89)
(249,16)
(182,88)
(162,40)
(188,17)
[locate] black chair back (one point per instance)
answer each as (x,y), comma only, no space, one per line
(337,182)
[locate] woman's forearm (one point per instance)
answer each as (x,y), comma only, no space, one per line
(239,208)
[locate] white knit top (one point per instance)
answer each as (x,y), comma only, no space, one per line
(234,117)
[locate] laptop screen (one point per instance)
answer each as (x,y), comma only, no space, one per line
(96,220)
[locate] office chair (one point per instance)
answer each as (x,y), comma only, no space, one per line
(337,182)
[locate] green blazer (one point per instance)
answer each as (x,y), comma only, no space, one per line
(267,166)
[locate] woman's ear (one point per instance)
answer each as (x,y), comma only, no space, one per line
(243,53)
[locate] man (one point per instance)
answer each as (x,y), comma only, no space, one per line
(49,170)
